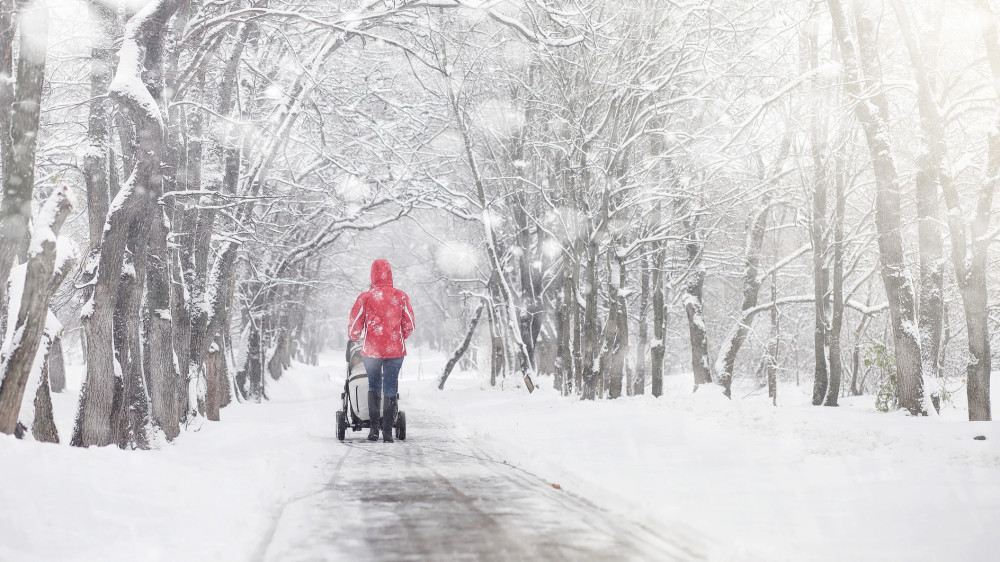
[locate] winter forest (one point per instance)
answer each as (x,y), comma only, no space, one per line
(718,210)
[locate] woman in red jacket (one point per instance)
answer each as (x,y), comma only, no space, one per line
(384,316)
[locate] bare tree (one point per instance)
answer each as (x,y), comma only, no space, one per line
(863,70)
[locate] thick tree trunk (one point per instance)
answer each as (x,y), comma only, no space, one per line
(97,159)
(971,260)
(928,180)
(163,378)
(41,278)
(8,31)
(19,134)
(143,40)
(130,415)
(214,382)
(895,274)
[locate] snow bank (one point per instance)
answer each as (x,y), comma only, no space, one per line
(215,494)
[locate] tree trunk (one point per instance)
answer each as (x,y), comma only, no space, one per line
(496,346)
(772,349)
(616,332)
(639,383)
(817,224)
(20,133)
(752,280)
(213,384)
(589,381)
(130,417)
(657,349)
(97,159)
(694,302)
(43,426)
(462,348)
(971,263)
(837,319)
(895,274)
(142,49)
(41,278)
(57,367)
(163,378)
(928,180)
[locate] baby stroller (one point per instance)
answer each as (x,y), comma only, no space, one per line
(354,412)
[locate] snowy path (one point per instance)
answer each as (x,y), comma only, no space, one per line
(437,496)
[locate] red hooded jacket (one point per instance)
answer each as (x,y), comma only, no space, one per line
(383,314)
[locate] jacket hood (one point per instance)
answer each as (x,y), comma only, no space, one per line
(381,273)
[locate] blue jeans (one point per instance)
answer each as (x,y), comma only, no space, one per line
(379,369)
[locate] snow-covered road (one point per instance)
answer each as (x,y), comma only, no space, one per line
(439,496)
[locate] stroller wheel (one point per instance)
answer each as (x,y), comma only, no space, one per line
(341,425)
(401,426)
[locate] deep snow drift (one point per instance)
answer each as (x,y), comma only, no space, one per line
(743,479)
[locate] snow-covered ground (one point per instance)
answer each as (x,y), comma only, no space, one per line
(749,481)
(213,495)
(793,483)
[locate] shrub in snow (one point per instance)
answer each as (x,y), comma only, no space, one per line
(879,357)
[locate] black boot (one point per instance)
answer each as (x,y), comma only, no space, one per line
(388,419)
(373,410)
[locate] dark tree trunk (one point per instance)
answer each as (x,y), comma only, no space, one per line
(57,367)
(616,331)
(818,223)
(837,319)
(163,378)
(97,159)
(43,428)
(928,180)
(143,46)
(253,368)
(694,302)
(19,134)
(590,382)
(656,351)
(639,383)
(40,281)
(895,274)
(971,260)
